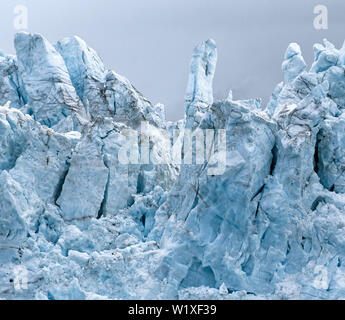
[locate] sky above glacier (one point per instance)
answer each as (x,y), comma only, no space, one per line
(151,41)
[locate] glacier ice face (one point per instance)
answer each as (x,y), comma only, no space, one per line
(260,217)
(84,66)
(45,84)
(9,81)
(103,92)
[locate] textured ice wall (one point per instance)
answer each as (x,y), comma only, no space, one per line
(266,222)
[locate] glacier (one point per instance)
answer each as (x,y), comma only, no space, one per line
(98,200)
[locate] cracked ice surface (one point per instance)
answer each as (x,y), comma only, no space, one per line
(84,225)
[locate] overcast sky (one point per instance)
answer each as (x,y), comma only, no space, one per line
(151,41)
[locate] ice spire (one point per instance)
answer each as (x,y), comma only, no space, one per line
(202,69)
(293,64)
(199,94)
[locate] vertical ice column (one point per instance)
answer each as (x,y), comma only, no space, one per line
(199,92)
(293,64)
